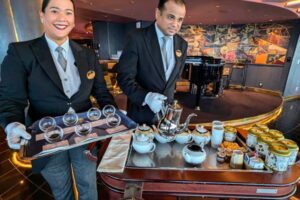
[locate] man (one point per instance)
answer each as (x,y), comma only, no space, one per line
(152,60)
(55,75)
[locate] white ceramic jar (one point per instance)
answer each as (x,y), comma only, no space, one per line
(293,148)
(252,136)
(276,134)
(278,157)
(263,143)
(230,133)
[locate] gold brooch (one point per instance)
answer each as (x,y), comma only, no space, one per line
(178,53)
(91,74)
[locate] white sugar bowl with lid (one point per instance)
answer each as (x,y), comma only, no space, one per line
(201,135)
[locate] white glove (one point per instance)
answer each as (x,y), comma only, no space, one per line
(16,131)
(155,101)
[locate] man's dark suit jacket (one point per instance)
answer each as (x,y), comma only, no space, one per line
(29,75)
(141,70)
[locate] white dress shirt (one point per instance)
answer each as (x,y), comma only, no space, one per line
(170,52)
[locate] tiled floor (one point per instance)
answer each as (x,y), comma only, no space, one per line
(17,183)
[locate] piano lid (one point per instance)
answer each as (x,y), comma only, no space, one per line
(196,60)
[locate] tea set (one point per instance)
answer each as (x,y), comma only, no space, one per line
(169,129)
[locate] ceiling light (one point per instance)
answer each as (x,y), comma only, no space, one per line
(292,3)
(218,6)
(117,9)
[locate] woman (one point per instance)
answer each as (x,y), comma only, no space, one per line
(54,75)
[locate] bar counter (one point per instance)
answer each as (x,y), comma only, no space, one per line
(158,183)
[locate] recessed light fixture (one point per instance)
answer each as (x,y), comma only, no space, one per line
(270,20)
(117,9)
(292,3)
(218,6)
(132,2)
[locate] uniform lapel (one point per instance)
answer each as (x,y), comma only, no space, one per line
(154,50)
(42,52)
(81,64)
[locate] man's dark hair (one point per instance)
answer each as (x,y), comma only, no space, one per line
(161,4)
(46,2)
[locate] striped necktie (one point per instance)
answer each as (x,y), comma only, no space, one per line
(164,52)
(61,59)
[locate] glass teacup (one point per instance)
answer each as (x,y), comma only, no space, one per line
(70,119)
(108,109)
(113,120)
(46,122)
(94,114)
(54,134)
(83,128)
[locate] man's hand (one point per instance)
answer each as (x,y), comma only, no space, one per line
(16,131)
(155,101)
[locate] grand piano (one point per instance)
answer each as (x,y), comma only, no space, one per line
(204,71)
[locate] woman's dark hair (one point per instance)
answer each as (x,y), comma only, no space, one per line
(162,3)
(46,2)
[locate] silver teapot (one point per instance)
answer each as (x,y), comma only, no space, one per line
(169,120)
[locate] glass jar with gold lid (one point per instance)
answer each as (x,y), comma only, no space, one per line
(262,127)
(229,133)
(278,157)
(293,148)
(263,142)
(253,133)
(276,134)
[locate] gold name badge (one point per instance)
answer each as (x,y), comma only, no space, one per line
(178,53)
(91,74)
